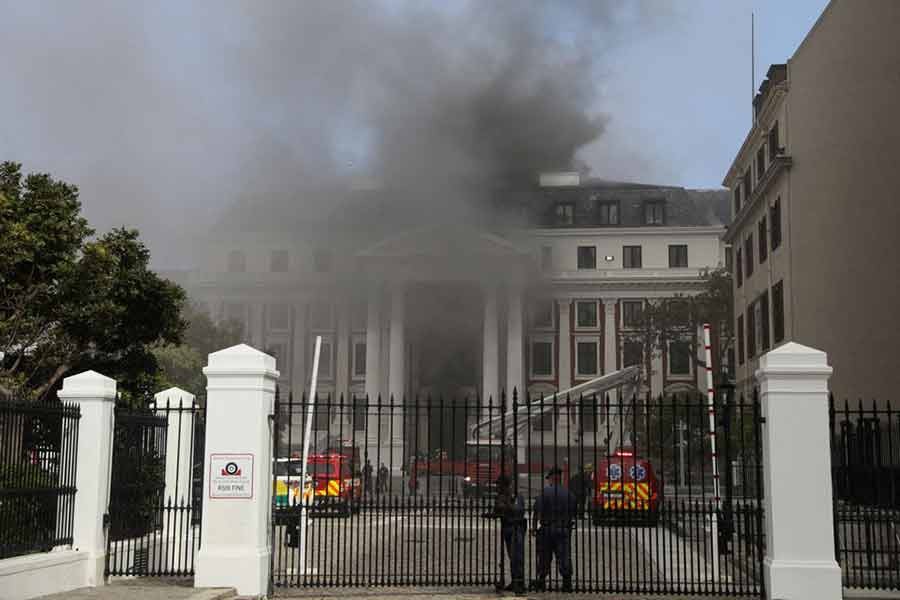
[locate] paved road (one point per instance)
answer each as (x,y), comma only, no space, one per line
(439,547)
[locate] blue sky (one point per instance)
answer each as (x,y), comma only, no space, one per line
(163,113)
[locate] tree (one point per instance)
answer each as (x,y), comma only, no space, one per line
(678,319)
(182,364)
(68,302)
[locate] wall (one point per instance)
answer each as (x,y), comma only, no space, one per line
(34,575)
(845,133)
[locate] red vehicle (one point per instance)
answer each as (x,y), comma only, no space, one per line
(485,461)
(626,485)
(336,486)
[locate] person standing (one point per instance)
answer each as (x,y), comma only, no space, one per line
(554,511)
(510,509)
(367,477)
(381,479)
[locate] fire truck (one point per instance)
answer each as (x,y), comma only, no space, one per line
(626,486)
(485,461)
(336,488)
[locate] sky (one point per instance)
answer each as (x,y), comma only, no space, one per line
(165,113)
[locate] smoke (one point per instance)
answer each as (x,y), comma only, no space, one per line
(165,114)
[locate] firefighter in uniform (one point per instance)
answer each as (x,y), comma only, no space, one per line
(555,511)
(510,509)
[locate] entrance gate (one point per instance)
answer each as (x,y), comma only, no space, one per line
(153,521)
(648,522)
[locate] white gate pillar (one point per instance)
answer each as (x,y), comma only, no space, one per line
(96,395)
(238,471)
(799,562)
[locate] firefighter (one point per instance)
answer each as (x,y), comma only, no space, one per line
(554,511)
(367,478)
(510,509)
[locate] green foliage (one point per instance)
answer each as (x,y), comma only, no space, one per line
(68,302)
(182,364)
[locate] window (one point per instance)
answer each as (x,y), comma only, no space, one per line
(740,267)
(540,313)
(778,311)
(632,353)
(748,256)
(607,213)
(631,257)
(631,312)
(678,257)
(278,261)
(760,163)
(775,220)
(546,258)
(565,213)
(740,339)
(237,261)
(751,331)
(737,199)
(326,358)
(763,342)
(729,259)
(358,366)
(586,314)
(279,317)
(321,316)
(747,185)
(359,414)
(587,257)
(587,357)
(655,213)
(322,260)
(774,148)
(679,358)
(542,357)
(763,244)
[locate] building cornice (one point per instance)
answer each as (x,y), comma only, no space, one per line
(614,231)
(780,164)
(757,133)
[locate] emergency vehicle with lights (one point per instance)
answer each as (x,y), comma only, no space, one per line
(626,486)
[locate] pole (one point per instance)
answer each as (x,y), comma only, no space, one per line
(304,512)
(711,405)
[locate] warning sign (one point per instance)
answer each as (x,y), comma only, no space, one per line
(231,476)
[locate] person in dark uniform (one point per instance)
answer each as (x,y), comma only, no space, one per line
(367,478)
(581,485)
(510,509)
(555,511)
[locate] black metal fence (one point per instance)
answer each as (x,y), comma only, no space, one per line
(865,446)
(38,458)
(154,525)
(400,493)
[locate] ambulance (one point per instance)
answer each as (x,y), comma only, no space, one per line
(330,481)
(627,487)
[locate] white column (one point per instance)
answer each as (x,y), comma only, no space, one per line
(342,360)
(298,356)
(256,325)
(610,349)
(799,562)
(490,368)
(238,468)
(373,360)
(565,344)
(397,376)
(515,378)
(95,394)
(175,404)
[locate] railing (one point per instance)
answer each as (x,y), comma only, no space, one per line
(865,447)
(38,456)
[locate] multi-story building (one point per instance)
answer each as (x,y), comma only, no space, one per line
(538,300)
(815,206)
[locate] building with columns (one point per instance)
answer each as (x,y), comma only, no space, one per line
(536,297)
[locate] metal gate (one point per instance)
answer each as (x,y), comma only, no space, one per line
(402,493)
(153,520)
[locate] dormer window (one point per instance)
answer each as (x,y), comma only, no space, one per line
(565,213)
(655,212)
(760,162)
(774,149)
(607,212)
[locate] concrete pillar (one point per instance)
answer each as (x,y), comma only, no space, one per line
(238,468)
(515,377)
(610,349)
(490,371)
(565,344)
(373,360)
(397,375)
(799,562)
(96,395)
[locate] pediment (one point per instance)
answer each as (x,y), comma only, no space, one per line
(443,242)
